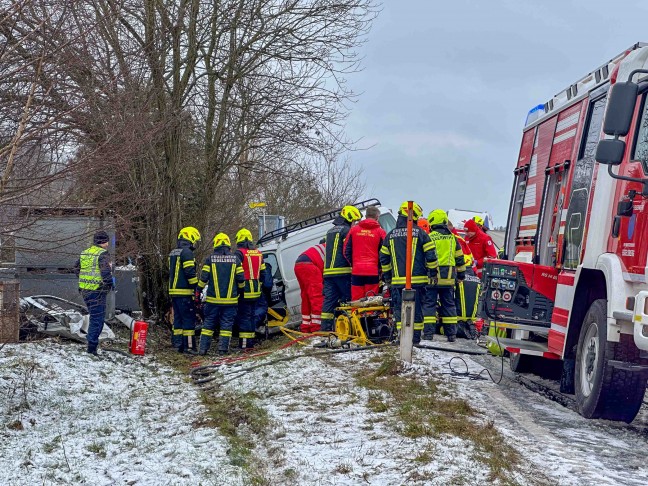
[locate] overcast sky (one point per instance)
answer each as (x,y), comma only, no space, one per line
(447,86)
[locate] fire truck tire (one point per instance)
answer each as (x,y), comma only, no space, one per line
(603,391)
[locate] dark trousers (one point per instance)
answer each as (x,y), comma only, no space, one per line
(184,320)
(444,298)
(336,289)
(246,322)
(397,304)
(217,316)
(96,303)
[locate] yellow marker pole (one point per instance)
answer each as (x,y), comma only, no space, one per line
(408,295)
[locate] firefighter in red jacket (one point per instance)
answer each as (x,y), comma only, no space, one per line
(254,271)
(480,245)
(362,250)
(337,271)
(309,270)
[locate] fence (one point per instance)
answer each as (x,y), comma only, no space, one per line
(9,311)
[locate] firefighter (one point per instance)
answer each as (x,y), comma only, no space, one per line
(467,299)
(362,251)
(95,281)
(182,284)
(309,270)
(464,245)
(224,274)
(337,271)
(393,257)
(441,289)
(480,245)
(254,271)
(424,225)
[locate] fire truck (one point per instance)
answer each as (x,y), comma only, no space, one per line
(573,282)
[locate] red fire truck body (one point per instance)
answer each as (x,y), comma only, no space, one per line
(573,282)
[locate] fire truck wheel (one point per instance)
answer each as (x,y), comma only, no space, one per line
(603,391)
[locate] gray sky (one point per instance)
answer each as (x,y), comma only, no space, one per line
(447,86)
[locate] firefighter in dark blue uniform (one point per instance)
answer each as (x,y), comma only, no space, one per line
(95,281)
(441,290)
(337,269)
(393,257)
(254,271)
(182,283)
(224,274)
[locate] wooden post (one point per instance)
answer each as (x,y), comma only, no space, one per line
(408,296)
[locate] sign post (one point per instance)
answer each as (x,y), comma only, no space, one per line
(408,298)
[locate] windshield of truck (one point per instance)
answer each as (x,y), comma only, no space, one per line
(641,144)
(387,222)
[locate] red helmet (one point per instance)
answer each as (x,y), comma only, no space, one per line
(423,224)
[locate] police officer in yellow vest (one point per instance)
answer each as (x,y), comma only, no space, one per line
(441,290)
(182,284)
(95,281)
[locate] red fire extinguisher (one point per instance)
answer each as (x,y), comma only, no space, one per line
(138,337)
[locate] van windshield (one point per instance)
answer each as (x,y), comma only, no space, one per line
(387,222)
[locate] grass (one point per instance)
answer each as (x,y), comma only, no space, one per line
(236,415)
(424,409)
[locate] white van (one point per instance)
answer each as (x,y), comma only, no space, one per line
(458,216)
(282,247)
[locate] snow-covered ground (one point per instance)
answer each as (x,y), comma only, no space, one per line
(68,418)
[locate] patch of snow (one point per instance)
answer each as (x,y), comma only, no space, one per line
(69,418)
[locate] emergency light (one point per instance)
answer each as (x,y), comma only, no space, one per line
(534,113)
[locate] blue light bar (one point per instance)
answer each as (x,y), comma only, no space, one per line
(534,113)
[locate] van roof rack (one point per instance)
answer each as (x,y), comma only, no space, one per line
(307,223)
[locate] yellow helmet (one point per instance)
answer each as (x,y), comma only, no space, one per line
(190,234)
(438,216)
(243,235)
(479,220)
(351,214)
(417,211)
(221,239)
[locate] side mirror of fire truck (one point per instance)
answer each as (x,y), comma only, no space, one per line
(618,118)
(621,105)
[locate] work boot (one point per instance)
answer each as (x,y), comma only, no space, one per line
(223,345)
(92,349)
(452,339)
(246,343)
(417,337)
(428,332)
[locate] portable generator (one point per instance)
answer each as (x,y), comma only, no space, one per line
(518,292)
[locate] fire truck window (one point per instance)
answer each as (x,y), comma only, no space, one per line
(580,190)
(641,144)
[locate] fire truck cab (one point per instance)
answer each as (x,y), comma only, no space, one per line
(573,282)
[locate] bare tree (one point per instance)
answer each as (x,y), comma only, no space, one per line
(155,108)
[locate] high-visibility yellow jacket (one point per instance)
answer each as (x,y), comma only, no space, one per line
(93,268)
(449,255)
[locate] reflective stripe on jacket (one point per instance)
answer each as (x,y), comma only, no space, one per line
(224,274)
(449,255)
(182,270)
(253,270)
(336,263)
(393,255)
(89,270)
